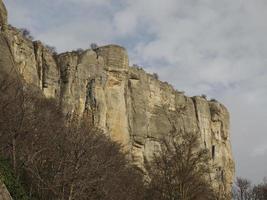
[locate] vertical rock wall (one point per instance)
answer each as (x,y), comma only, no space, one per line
(3,16)
(132,106)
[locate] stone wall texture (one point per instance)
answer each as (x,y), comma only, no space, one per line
(3,15)
(4,194)
(130,105)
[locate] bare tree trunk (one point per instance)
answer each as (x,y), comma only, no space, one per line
(14,155)
(71,191)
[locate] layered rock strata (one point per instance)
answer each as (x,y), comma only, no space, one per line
(132,106)
(3,16)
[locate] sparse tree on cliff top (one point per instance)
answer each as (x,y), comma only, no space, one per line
(93,46)
(26,33)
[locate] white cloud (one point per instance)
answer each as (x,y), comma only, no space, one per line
(125,23)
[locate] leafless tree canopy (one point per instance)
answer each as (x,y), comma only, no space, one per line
(70,159)
(180,170)
(56,159)
(244,190)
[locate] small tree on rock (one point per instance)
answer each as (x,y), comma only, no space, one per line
(94,46)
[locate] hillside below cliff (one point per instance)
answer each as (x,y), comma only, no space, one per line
(133,107)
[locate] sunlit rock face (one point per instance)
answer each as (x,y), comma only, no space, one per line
(130,105)
(34,62)
(3,16)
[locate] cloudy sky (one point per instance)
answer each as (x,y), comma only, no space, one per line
(213,47)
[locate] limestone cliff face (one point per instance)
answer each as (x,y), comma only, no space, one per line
(3,15)
(4,194)
(132,106)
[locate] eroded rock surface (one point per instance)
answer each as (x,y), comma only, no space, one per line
(4,194)
(3,16)
(132,106)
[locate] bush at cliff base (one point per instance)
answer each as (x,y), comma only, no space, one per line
(13,185)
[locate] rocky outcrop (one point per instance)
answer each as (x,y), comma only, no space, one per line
(4,194)
(132,106)
(3,16)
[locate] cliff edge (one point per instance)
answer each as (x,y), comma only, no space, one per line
(3,16)
(132,106)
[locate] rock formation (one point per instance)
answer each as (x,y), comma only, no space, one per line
(3,15)
(132,106)
(4,194)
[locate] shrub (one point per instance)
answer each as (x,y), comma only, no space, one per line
(93,46)
(156,76)
(13,185)
(26,33)
(80,50)
(52,49)
(204,96)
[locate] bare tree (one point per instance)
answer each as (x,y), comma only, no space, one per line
(26,33)
(13,103)
(79,162)
(52,49)
(180,170)
(58,159)
(93,46)
(259,192)
(155,75)
(242,189)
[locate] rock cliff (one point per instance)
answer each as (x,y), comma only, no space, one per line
(3,15)
(4,194)
(132,106)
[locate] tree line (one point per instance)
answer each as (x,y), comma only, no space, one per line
(59,158)
(243,189)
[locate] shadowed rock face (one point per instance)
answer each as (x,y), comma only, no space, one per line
(130,105)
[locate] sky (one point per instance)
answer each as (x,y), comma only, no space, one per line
(212,47)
